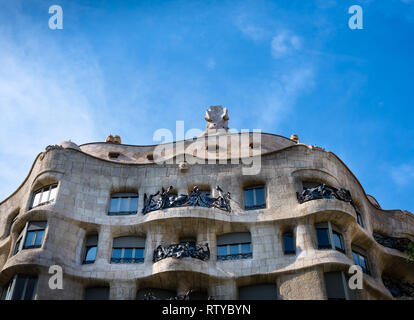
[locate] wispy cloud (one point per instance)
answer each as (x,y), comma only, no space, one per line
(403,174)
(46,96)
(285,43)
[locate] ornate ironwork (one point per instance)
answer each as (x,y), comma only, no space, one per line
(178,251)
(400,244)
(235,256)
(398,288)
(324,191)
(196,198)
(150,296)
(127,260)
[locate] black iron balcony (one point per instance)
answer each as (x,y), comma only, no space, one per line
(165,199)
(178,251)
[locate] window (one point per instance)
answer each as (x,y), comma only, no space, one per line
(258,292)
(91,247)
(128,250)
(96,293)
(232,246)
(34,235)
(328,237)
(335,285)
(360,221)
(123,204)
(361,260)
(338,241)
(21,287)
(44,195)
(254,198)
(289,246)
(322,235)
(31,236)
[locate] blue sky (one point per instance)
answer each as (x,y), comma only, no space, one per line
(132,67)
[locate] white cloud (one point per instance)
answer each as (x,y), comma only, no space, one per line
(403,174)
(248,28)
(46,95)
(285,43)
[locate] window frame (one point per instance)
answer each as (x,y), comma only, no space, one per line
(42,190)
(331,230)
(235,256)
(123,195)
(11,287)
(255,206)
(359,255)
(292,235)
(133,258)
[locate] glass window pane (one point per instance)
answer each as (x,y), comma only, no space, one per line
(260,197)
(234,249)
(114,205)
(36,199)
(133,204)
(18,288)
(323,238)
(363,263)
(39,237)
(127,254)
(90,254)
(53,193)
(139,253)
(29,239)
(116,253)
(288,244)
(338,241)
(359,220)
(221,250)
(355,257)
(246,248)
(124,204)
(45,196)
(248,198)
(16,249)
(30,288)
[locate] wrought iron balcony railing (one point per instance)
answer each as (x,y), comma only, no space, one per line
(127,260)
(235,256)
(178,251)
(165,199)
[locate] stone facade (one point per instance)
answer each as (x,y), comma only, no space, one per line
(86,177)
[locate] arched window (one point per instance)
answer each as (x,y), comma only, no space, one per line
(128,250)
(258,292)
(232,246)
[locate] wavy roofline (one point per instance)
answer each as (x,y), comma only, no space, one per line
(389,211)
